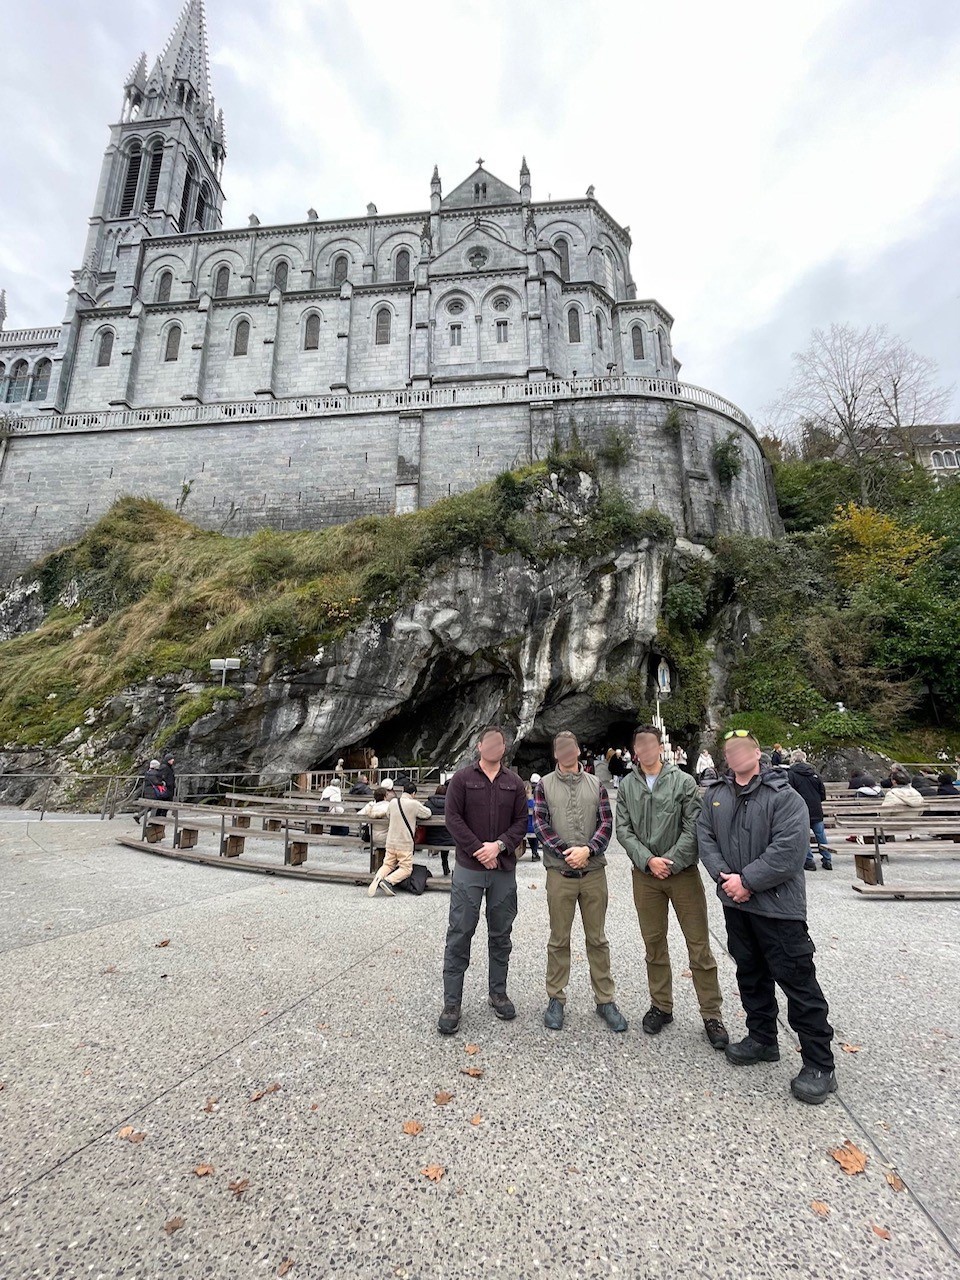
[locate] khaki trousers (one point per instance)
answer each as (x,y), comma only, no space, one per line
(397,865)
(652,898)
(564,895)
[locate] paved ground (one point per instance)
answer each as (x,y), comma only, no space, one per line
(593,1155)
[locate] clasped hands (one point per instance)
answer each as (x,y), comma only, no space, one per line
(734,887)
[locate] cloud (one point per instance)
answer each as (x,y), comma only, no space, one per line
(780,166)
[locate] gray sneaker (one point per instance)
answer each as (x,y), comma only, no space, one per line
(612,1016)
(553,1018)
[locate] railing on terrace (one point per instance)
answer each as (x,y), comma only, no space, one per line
(312,406)
(24,337)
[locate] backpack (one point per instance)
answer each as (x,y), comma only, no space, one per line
(416,881)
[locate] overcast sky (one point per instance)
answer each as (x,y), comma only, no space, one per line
(781,166)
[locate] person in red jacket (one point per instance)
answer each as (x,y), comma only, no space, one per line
(486,813)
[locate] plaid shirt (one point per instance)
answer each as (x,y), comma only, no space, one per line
(544,829)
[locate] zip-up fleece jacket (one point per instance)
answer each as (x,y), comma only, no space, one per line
(661,823)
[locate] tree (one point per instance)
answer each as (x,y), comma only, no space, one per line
(855,395)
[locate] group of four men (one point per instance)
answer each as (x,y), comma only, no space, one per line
(750,829)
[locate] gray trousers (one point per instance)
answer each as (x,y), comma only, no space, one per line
(466,898)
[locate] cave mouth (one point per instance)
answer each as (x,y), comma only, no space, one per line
(534,754)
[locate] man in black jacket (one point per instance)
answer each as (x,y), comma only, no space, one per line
(753,836)
(805,779)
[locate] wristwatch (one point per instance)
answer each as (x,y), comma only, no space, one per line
(501,846)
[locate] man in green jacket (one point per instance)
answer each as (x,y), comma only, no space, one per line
(657,809)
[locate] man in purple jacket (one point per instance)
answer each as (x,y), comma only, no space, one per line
(486,813)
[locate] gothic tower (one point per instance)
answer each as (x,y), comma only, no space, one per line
(161,170)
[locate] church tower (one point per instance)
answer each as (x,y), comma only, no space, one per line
(161,170)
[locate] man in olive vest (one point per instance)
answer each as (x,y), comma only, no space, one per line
(571,814)
(657,808)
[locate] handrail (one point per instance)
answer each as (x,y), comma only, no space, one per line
(313,406)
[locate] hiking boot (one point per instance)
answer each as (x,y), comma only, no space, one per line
(535,857)
(828,864)
(716,1033)
(553,1018)
(654,1020)
(612,1016)
(449,1019)
(502,1006)
(745,1052)
(813,1086)
(809,866)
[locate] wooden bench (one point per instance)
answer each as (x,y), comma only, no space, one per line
(869,863)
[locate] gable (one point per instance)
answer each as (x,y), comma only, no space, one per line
(465,195)
(478,250)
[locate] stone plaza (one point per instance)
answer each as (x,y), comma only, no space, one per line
(209,1074)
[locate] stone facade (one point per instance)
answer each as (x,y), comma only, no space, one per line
(461,312)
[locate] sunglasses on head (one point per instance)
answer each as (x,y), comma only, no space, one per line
(737,733)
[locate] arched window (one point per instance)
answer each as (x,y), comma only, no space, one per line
(241,338)
(660,346)
(562,246)
(636,334)
(203,203)
(456,334)
(402,265)
(599,330)
(187,198)
(41,380)
(339,269)
(383,327)
(105,348)
(280,273)
(573,325)
(937,459)
(221,282)
(153,176)
(17,387)
(171,351)
(130,182)
(311,333)
(164,285)
(950,458)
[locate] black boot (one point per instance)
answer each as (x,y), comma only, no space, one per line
(745,1052)
(502,1006)
(813,1086)
(654,1020)
(449,1019)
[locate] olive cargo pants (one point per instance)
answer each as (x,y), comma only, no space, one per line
(653,898)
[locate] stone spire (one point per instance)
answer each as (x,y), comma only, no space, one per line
(184,59)
(3,307)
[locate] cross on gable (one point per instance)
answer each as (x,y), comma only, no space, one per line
(480,163)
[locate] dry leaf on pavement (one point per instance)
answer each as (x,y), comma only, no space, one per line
(477,1119)
(262,1093)
(412,1127)
(849,1157)
(239,1186)
(173,1224)
(818,1206)
(131,1134)
(434,1172)
(895,1180)
(442,1097)
(476,1072)
(882,1232)
(471,1048)
(203,1170)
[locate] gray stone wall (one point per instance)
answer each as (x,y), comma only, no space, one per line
(308,472)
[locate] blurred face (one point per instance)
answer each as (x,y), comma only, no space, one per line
(567,752)
(492,746)
(741,754)
(647,748)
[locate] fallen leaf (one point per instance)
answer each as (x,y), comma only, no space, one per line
(239,1186)
(284,1266)
(442,1097)
(477,1119)
(533,886)
(476,1072)
(164,943)
(850,1158)
(851,1048)
(434,1172)
(471,1048)
(315,1106)
(572,1168)
(129,1133)
(412,1127)
(210,1104)
(882,1232)
(895,1180)
(686,974)
(511,1191)
(262,1093)
(203,1170)
(818,1206)
(111,968)
(173,1224)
